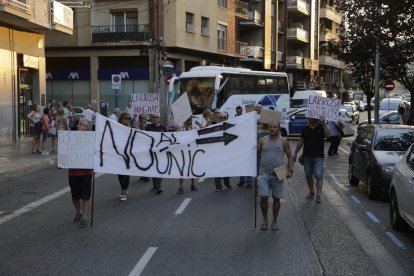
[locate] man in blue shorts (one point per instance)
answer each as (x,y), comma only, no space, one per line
(312,138)
(272,149)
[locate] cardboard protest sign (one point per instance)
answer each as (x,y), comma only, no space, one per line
(146,103)
(181,109)
(269,116)
(249,107)
(322,106)
(185,154)
(76,149)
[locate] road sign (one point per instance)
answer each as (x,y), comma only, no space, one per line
(116,81)
(389,85)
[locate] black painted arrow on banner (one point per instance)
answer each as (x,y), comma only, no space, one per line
(222,127)
(226,138)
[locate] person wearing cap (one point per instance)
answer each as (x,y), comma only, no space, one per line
(115,114)
(80,182)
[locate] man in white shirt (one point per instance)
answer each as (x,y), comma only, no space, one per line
(115,115)
(88,113)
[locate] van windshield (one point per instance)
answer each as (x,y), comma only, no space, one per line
(299,103)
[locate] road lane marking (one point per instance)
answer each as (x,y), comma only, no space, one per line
(333,177)
(354,198)
(343,150)
(142,263)
(396,240)
(29,207)
(183,205)
(372,217)
(374,248)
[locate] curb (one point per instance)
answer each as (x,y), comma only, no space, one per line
(30,168)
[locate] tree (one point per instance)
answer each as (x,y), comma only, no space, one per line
(369,24)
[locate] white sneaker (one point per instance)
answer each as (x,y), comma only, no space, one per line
(123,198)
(45,153)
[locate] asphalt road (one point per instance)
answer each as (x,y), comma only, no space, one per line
(198,233)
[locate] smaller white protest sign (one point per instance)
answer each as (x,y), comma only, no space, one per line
(76,149)
(147,103)
(322,106)
(181,109)
(268,116)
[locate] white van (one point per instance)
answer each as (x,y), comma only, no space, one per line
(389,104)
(300,98)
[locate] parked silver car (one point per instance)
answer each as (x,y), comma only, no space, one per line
(402,192)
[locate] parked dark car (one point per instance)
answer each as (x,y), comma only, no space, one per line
(390,118)
(374,153)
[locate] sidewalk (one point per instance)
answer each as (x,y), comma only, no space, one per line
(17,158)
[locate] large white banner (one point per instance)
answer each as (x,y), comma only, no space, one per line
(322,106)
(225,149)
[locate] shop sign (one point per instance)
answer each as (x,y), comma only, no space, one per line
(30,61)
(132,74)
(62,15)
(69,75)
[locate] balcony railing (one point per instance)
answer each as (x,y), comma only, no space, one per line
(280,26)
(239,48)
(331,61)
(280,57)
(295,62)
(299,5)
(299,34)
(20,5)
(327,35)
(119,33)
(222,44)
(331,13)
(242,7)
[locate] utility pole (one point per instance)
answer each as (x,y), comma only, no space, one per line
(376,84)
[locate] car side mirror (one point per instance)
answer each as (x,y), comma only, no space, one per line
(362,148)
(293,117)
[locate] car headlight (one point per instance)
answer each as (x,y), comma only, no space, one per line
(388,168)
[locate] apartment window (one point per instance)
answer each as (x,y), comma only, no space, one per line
(189,22)
(204,25)
(222,3)
(222,37)
(125,21)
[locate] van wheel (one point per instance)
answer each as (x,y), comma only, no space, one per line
(283,132)
(397,222)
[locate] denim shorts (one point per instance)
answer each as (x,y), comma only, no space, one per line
(314,167)
(267,182)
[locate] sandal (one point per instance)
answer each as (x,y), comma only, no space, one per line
(264,226)
(194,188)
(180,191)
(275,226)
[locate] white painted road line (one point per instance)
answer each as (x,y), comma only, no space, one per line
(396,240)
(34,205)
(354,198)
(37,203)
(343,150)
(142,263)
(372,217)
(183,205)
(333,177)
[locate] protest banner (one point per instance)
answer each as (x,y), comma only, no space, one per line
(322,106)
(269,116)
(185,154)
(181,109)
(146,103)
(76,149)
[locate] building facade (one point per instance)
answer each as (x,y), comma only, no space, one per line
(23,27)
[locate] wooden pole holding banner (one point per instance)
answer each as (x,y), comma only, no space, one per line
(93,196)
(255,202)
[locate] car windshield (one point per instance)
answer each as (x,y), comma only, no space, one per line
(390,105)
(393,139)
(348,108)
(299,103)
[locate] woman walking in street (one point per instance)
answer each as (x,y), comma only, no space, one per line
(80,182)
(35,127)
(124,119)
(45,129)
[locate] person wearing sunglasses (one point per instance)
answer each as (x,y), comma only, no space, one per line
(124,119)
